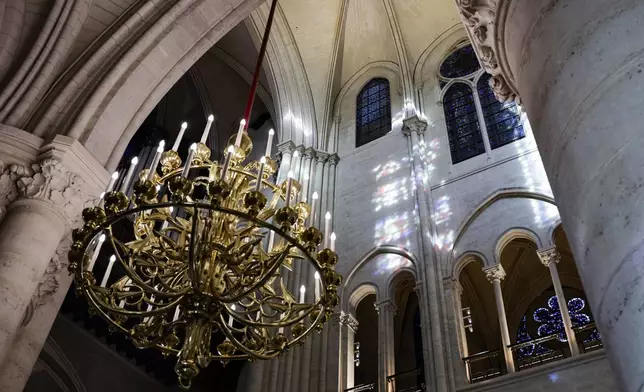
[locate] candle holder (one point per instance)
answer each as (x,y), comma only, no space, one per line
(207,263)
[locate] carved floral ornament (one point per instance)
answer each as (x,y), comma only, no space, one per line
(480,20)
(47,180)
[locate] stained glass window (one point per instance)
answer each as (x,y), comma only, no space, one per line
(460,63)
(373,111)
(502,120)
(548,322)
(463,131)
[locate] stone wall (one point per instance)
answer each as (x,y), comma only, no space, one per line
(588,373)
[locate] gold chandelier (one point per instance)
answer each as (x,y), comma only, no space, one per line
(207,255)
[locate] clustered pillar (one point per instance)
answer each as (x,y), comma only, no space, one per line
(578,68)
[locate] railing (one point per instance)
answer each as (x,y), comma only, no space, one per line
(362,387)
(491,364)
(485,365)
(408,381)
(549,355)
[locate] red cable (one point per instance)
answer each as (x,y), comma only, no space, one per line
(258,66)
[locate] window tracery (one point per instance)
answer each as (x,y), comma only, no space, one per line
(373,111)
(476,121)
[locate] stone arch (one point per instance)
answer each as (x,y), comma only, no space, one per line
(360,293)
(289,83)
(56,365)
(381,284)
(467,258)
(344,108)
(513,234)
(501,194)
(435,53)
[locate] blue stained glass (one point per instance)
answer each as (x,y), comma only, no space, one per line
(502,120)
(373,111)
(463,131)
(550,322)
(460,63)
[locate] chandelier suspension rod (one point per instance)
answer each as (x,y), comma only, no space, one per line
(258,66)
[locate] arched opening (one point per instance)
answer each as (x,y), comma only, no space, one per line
(408,345)
(477,323)
(366,342)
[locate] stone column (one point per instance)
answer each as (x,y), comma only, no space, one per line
(386,356)
(350,327)
(495,275)
(286,149)
(458,337)
(581,83)
(330,191)
(33,279)
(436,373)
(550,257)
(318,179)
(296,162)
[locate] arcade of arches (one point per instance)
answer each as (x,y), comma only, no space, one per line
(481,160)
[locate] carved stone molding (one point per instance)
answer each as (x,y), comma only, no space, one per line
(49,180)
(481,19)
(334,159)
(309,153)
(549,256)
(494,273)
(9,175)
(50,282)
(349,321)
(322,157)
(386,305)
(414,124)
(286,147)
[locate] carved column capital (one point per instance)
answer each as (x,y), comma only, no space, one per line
(322,157)
(495,273)
(334,159)
(386,305)
(348,320)
(50,181)
(286,147)
(300,150)
(482,21)
(309,153)
(414,124)
(549,256)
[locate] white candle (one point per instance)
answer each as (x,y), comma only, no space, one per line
(191,155)
(289,185)
(108,271)
(269,145)
(295,165)
(317,286)
(128,177)
(240,132)
(327,229)
(271,241)
(313,202)
(204,135)
(260,174)
(333,242)
(177,311)
(97,250)
(184,126)
(230,318)
(126,288)
(110,186)
(229,155)
(155,161)
(302,294)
